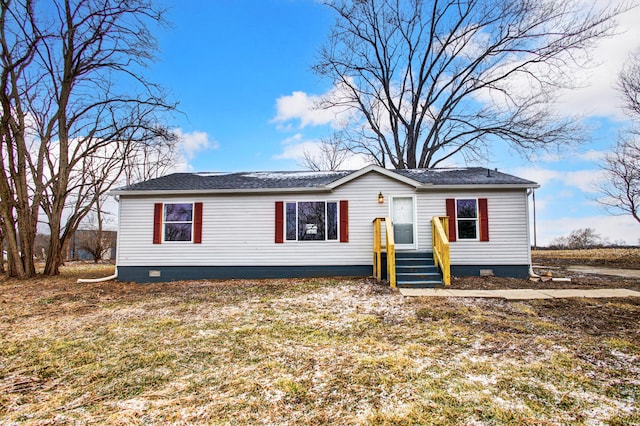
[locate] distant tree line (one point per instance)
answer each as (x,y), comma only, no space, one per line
(583,238)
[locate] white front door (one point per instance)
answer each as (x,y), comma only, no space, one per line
(403,218)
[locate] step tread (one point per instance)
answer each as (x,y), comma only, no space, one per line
(418,273)
(421,285)
(414,257)
(415,266)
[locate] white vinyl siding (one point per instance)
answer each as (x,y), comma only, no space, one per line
(238,230)
(508,228)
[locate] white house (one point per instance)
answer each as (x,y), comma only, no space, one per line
(304,224)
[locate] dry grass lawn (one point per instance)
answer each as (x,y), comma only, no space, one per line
(308,352)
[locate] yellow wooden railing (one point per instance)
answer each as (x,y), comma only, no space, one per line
(390,247)
(440,232)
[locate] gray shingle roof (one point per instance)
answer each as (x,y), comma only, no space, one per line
(304,179)
(463,176)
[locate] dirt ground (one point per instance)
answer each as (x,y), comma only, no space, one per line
(578,280)
(556,264)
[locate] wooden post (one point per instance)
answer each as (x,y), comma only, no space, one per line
(391,253)
(377,249)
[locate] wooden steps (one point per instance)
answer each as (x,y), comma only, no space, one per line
(415,269)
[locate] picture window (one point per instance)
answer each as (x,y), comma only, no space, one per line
(311,221)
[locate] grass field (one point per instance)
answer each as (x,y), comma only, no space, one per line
(308,352)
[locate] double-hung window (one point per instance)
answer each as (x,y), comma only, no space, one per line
(178,222)
(467,218)
(311,221)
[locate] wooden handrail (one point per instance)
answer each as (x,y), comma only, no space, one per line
(377,248)
(391,253)
(441,255)
(390,247)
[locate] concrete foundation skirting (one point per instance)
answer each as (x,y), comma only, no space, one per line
(150,274)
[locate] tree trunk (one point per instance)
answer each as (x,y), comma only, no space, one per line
(2,270)
(15,268)
(98,254)
(54,251)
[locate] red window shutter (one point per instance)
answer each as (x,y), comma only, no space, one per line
(484,219)
(344,221)
(451,212)
(279,222)
(157,223)
(197,223)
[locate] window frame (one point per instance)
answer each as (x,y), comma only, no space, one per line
(297,224)
(475,220)
(166,222)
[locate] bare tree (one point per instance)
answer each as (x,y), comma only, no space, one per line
(629,86)
(87,104)
(92,236)
(430,79)
(151,160)
(621,189)
(329,155)
(20,184)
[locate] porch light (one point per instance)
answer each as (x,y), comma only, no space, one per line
(380,198)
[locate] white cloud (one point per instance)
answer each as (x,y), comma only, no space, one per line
(536,174)
(584,180)
(295,151)
(592,155)
(303,107)
(295,139)
(599,96)
(568,153)
(191,143)
(308,109)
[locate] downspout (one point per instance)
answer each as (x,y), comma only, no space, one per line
(531,273)
(98,280)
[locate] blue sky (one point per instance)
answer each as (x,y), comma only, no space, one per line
(241,71)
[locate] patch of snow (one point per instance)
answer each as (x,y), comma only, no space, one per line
(138,405)
(206,333)
(605,408)
(632,359)
(288,175)
(207,174)
(509,405)
(439,170)
(482,379)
